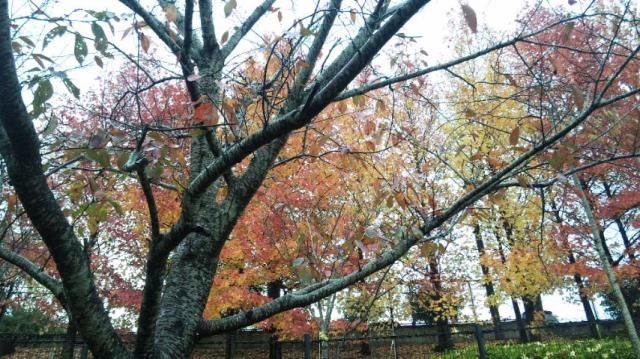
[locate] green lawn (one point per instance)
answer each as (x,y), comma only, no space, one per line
(591,348)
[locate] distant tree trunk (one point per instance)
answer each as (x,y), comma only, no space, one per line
(532,306)
(273,291)
(623,232)
(598,240)
(488,284)
(442,322)
(588,311)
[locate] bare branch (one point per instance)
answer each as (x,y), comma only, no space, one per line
(234,40)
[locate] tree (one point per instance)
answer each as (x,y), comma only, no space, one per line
(241,118)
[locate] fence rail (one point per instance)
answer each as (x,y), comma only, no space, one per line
(406,342)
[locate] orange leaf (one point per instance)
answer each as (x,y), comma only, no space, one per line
(206,114)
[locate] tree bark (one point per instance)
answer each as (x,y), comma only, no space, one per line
(488,284)
(598,240)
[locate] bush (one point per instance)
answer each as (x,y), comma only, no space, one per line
(607,348)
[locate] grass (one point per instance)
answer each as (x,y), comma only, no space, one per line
(591,348)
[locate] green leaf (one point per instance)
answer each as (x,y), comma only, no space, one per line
(101,42)
(71,87)
(154,172)
(98,155)
(116,206)
(229,6)
(43,92)
(80,49)
(55,32)
(51,126)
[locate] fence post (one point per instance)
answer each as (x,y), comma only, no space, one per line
(230,345)
(307,346)
(275,351)
(482,351)
(84,354)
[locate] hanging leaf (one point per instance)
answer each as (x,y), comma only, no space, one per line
(171,13)
(55,32)
(229,6)
(98,155)
(80,49)
(352,13)
(558,159)
(514,136)
(566,32)
(98,61)
(101,43)
(206,114)
(304,31)
(51,126)
(470,17)
(71,87)
(39,58)
(279,16)
(43,92)
(225,37)
(144,42)
(578,97)
(99,139)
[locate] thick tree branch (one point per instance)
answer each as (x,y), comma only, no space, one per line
(155,25)
(304,113)
(210,44)
(34,271)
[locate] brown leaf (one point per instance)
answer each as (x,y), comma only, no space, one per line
(566,32)
(352,13)
(578,97)
(144,41)
(470,17)
(514,136)
(225,37)
(171,13)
